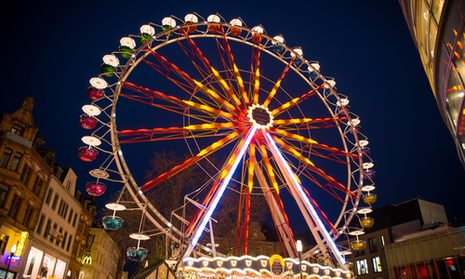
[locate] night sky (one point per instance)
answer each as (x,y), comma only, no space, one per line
(50,50)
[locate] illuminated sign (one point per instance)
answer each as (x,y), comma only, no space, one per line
(276,265)
(14,258)
(20,246)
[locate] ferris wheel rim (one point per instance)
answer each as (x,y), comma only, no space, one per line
(121,162)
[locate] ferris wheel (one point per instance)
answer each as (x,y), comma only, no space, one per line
(276,124)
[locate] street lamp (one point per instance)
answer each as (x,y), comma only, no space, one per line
(299,250)
(12,253)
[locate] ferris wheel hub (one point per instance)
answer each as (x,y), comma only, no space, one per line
(260,116)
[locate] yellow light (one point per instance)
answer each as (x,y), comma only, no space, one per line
(20,246)
(87,260)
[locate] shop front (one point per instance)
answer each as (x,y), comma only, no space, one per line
(12,245)
(41,264)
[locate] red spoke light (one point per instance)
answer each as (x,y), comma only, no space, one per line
(87,153)
(95,94)
(87,122)
(137,253)
(95,188)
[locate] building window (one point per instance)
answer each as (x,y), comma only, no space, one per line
(373,245)
(26,175)
(36,188)
(70,215)
(41,223)
(47,228)
(60,207)
(28,215)
(65,211)
(3,193)
(54,234)
(15,162)
(3,242)
(14,208)
(362,267)
(74,219)
(69,242)
(49,196)
(64,240)
(55,200)
(377,264)
(17,129)
(5,157)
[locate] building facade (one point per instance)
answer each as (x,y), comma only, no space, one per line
(24,172)
(437,28)
(393,223)
(88,212)
(55,231)
(101,260)
(260,242)
(438,253)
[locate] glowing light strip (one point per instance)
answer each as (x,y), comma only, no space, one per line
(251,167)
(305,198)
(223,185)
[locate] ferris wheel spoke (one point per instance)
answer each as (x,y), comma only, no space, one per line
(320,211)
(278,83)
(170,67)
(171,133)
(311,166)
(197,226)
(191,55)
(256,76)
(182,103)
(186,85)
(292,103)
(189,162)
(250,169)
(313,143)
(315,224)
(268,167)
(239,80)
(316,123)
(328,187)
(278,214)
(213,71)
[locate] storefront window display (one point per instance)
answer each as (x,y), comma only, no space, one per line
(33,262)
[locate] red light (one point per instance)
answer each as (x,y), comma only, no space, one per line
(450,264)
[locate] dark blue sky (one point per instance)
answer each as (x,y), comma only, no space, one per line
(50,50)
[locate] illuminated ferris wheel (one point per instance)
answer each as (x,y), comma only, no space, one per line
(276,124)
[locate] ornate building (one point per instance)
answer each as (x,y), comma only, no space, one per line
(437,27)
(101,260)
(24,172)
(55,231)
(88,212)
